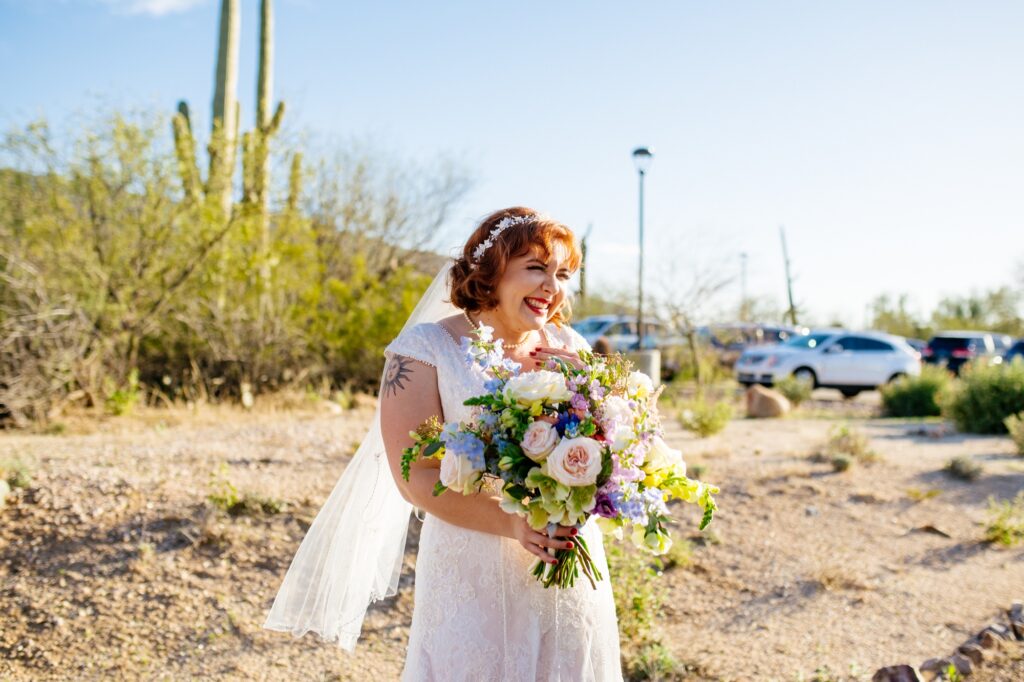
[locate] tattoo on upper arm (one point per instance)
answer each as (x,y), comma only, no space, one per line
(396,374)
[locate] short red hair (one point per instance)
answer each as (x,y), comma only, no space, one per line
(474,288)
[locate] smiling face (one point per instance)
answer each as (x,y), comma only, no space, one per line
(532,288)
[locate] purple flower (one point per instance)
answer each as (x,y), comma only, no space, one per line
(578,401)
(605,507)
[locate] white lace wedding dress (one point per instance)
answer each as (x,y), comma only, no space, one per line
(479,613)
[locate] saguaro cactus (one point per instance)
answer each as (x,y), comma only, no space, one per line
(224,132)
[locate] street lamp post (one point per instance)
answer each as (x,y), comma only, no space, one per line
(642,157)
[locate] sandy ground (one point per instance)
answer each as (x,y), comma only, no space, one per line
(114,565)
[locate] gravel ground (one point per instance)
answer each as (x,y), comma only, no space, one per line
(114,565)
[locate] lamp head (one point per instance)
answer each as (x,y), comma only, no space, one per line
(642,157)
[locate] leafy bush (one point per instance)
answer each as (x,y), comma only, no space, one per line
(795,390)
(1006,521)
(986,396)
(638,602)
(852,443)
(917,396)
(704,417)
(1015,426)
(122,400)
(225,496)
(964,468)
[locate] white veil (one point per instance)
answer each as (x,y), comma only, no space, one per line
(352,554)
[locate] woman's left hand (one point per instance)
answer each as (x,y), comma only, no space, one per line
(541,354)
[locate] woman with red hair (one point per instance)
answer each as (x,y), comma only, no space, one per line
(479,613)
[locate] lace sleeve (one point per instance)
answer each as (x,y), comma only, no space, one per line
(417,343)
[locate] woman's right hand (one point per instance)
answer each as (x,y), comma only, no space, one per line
(538,543)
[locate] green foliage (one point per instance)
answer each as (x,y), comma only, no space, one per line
(122,400)
(986,396)
(15,473)
(705,417)
(841,462)
(917,396)
(1006,521)
(918,495)
(638,601)
(895,318)
(1015,427)
(119,256)
(225,496)
(844,447)
(795,390)
(963,468)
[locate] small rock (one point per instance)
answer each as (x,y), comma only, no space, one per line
(992,635)
(1016,614)
(973,652)
(962,663)
(896,673)
(764,403)
(933,666)
(811,511)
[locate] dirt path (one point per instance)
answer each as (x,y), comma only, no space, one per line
(114,565)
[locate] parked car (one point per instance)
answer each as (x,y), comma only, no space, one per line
(952,349)
(730,340)
(1016,351)
(831,358)
(620,330)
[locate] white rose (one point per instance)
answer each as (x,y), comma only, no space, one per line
(530,387)
(661,456)
(575,462)
(538,440)
(615,412)
(458,473)
(639,385)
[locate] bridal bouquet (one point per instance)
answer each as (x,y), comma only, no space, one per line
(567,444)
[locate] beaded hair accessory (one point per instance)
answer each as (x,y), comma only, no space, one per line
(503,224)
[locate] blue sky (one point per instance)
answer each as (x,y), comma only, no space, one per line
(888,137)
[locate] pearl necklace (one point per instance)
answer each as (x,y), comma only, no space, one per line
(474,325)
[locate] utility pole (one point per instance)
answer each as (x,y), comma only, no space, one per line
(743,287)
(583,265)
(789,278)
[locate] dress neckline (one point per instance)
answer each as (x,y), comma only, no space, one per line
(543,331)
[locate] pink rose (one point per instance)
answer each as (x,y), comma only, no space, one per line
(538,440)
(575,462)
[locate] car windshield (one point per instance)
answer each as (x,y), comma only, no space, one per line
(806,340)
(951,342)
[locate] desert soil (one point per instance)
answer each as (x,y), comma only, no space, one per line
(114,565)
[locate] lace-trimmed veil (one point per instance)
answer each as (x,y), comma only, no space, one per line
(352,554)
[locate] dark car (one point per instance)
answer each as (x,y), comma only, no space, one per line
(953,349)
(1016,352)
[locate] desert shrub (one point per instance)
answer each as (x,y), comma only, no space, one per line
(225,496)
(795,390)
(846,445)
(705,417)
(986,396)
(15,473)
(1015,426)
(917,396)
(1006,521)
(122,400)
(638,601)
(963,468)
(841,462)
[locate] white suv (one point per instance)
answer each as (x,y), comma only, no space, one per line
(831,358)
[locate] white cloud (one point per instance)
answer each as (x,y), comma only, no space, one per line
(156,8)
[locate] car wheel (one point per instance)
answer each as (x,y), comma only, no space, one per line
(850,392)
(806,374)
(896,377)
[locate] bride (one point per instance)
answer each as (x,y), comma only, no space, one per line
(479,613)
